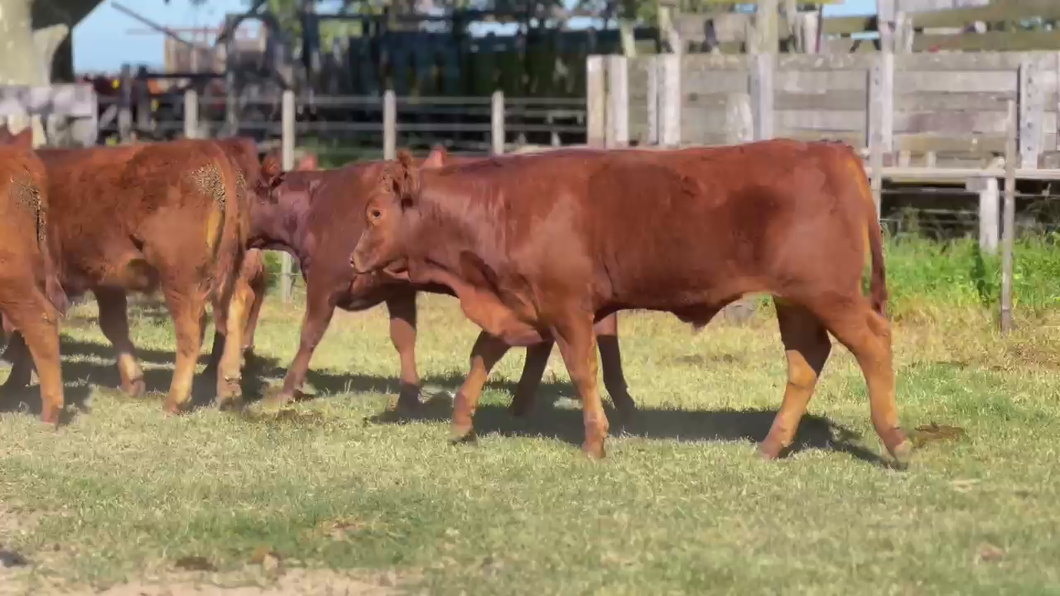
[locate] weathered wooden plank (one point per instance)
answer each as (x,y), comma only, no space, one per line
(959,122)
(854,139)
(964,144)
(710,62)
(1031,111)
(707,101)
(821,120)
(906,81)
(825,100)
(596,100)
(739,118)
(651,100)
(824,62)
(957,61)
(916,102)
(699,124)
(989,41)
(716,81)
(670,118)
(805,81)
(617,102)
(762,93)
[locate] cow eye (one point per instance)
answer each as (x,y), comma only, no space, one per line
(376,214)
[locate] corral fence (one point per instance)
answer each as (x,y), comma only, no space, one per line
(932,119)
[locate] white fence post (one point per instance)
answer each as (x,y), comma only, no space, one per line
(989,207)
(497,122)
(191,114)
(618,101)
(389,125)
(287,155)
(670,100)
(595,101)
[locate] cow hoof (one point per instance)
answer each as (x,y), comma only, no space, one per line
(135,388)
(902,454)
(460,435)
(520,410)
(174,408)
(771,449)
(50,416)
(594,449)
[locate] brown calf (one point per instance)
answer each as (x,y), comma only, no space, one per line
(542,245)
(31,298)
(317,217)
(144,217)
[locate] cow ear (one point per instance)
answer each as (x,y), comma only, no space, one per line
(437,157)
(272,175)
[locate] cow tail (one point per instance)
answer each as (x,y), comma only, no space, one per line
(878,275)
(52,287)
(874,232)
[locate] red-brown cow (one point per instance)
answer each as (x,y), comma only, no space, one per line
(317,217)
(541,245)
(163,216)
(31,298)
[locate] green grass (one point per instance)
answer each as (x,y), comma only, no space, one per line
(681,505)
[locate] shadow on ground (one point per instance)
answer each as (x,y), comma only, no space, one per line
(548,420)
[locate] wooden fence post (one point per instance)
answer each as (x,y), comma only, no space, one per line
(497,122)
(762,70)
(989,207)
(618,101)
(596,101)
(880,128)
(1031,111)
(231,92)
(652,98)
(125,104)
(389,124)
(287,156)
(1008,231)
(191,114)
(670,100)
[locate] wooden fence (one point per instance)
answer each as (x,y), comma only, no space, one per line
(940,109)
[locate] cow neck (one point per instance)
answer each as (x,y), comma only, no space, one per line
(459,215)
(282,225)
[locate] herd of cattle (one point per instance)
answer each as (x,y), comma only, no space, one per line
(539,249)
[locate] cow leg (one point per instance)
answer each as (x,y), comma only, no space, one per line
(402,309)
(21,367)
(114,321)
(577,344)
(611,362)
(319,309)
(867,335)
(186,307)
(256,291)
(41,335)
(533,370)
(37,336)
(230,317)
(806,346)
(486,352)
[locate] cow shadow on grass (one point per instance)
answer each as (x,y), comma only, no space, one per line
(560,418)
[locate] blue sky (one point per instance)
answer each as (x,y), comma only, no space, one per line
(102,41)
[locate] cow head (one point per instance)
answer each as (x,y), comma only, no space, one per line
(381,244)
(22,140)
(271,177)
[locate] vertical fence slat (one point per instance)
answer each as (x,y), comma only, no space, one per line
(670,100)
(191,114)
(287,156)
(596,101)
(1008,231)
(1031,111)
(497,122)
(763,68)
(617,134)
(389,124)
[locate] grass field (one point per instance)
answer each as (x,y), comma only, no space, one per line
(333,495)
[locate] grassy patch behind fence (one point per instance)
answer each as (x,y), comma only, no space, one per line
(681,506)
